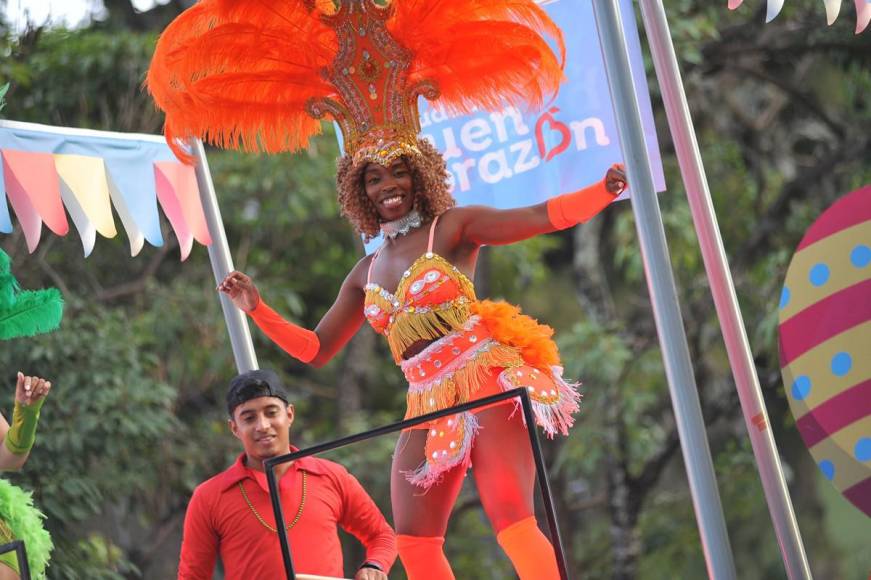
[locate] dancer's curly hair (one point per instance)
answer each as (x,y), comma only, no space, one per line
(429,175)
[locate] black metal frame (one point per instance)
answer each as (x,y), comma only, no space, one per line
(21,553)
(540,468)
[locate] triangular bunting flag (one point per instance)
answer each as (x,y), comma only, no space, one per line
(175,215)
(863,15)
(35,173)
(183,180)
(128,220)
(86,178)
(5,219)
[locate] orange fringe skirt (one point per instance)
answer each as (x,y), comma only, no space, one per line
(472,363)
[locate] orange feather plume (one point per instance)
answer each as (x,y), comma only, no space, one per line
(240,73)
(508,325)
(482,53)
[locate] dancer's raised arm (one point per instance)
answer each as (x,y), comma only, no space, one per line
(482,225)
(18,439)
(315,347)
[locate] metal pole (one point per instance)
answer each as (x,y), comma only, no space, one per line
(544,484)
(222,263)
(23,563)
(280,526)
(663,294)
(720,280)
(17,546)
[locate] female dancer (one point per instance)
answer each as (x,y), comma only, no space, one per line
(365,65)
(451,347)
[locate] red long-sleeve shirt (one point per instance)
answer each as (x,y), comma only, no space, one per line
(219,521)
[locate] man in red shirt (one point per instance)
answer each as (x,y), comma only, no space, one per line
(230,514)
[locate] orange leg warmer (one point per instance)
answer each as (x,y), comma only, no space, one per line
(424,558)
(529,550)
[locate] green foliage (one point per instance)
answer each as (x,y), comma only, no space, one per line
(105,418)
(3,90)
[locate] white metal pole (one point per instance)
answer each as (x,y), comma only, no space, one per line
(663,295)
(222,263)
(719,278)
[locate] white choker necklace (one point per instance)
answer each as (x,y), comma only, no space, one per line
(402,226)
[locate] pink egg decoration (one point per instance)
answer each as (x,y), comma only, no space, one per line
(825,344)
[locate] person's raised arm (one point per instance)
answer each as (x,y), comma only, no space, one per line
(18,439)
(482,225)
(315,347)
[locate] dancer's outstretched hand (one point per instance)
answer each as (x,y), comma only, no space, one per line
(241,290)
(615,178)
(30,390)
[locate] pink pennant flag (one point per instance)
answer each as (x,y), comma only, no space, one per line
(733,4)
(173,210)
(183,180)
(35,178)
(863,15)
(29,219)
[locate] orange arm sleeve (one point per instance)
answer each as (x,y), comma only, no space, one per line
(298,342)
(571,209)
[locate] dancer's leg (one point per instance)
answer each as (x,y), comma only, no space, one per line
(504,471)
(421,516)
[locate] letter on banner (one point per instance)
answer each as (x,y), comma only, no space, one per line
(33,189)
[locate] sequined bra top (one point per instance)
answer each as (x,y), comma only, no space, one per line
(432,299)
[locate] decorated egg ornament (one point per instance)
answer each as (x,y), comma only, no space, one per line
(825,344)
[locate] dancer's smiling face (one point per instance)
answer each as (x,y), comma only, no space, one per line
(389,189)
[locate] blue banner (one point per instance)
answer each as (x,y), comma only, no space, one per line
(513,158)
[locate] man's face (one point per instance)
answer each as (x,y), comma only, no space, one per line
(263,427)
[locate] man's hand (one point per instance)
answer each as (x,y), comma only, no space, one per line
(615,178)
(31,390)
(370,574)
(241,290)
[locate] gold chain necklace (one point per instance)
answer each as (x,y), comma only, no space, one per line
(298,512)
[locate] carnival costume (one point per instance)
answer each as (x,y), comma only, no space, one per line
(258,75)
(24,313)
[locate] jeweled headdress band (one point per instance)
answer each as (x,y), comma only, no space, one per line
(258,74)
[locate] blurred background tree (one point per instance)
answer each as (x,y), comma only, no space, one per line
(142,360)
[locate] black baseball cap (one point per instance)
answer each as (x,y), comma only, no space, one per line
(253,385)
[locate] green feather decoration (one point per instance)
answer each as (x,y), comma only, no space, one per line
(25,522)
(27,312)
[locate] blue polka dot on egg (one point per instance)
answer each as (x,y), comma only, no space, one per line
(863,449)
(841,364)
(828,469)
(819,274)
(860,256)
(784,298)
(801,387)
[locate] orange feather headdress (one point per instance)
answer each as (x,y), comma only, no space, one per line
(257,75)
